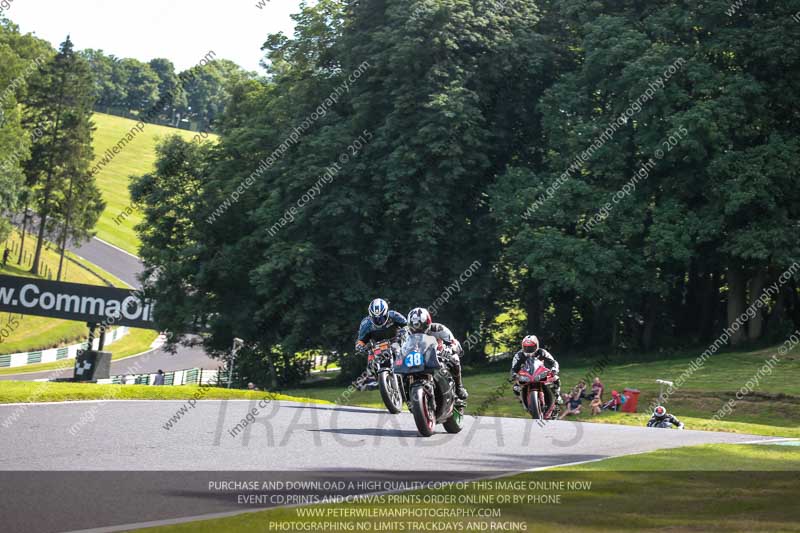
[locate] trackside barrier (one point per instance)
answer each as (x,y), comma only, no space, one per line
(56,354)
(189,376)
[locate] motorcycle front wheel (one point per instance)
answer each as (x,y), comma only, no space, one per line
(534,406)
(421,407)
(390,392)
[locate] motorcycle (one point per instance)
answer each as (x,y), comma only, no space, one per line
(429,385)
(666,425)
(535,380)
(379,359)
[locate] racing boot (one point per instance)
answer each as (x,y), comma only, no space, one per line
(557,392)
(461,392)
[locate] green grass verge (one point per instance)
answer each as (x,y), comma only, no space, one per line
(705,458)
(773,408)
(47,391)
(653,491)
(135,342)
(136,158)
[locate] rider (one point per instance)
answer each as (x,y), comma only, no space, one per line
(381,324)
(419,321)
(660,416)
(530,348)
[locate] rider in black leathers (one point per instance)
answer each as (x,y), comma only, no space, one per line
(419,321)
(660,416)
(531,348)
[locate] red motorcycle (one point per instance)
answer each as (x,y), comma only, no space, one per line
(536,393)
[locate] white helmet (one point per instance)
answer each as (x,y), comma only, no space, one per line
(659,411)
(378,311)
(419,320)
(530,344)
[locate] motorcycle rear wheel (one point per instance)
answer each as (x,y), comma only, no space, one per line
(390,392)
(424,417)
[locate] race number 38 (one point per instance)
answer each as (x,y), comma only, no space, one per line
(413,359)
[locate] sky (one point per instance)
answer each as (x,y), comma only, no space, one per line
(183,31)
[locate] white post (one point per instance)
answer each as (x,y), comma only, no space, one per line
(237,344)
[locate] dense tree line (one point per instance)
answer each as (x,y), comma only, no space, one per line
(622,172)
(46,142)
(193,98)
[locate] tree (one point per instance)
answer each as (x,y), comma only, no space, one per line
(497,135)
(170,91)
(205,87)
(63,98)
(14,143)
(141,86)
(22,58)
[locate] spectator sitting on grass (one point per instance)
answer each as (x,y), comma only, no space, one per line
(573,404)
(614,403)
(580,388)
(596,405)
(597,389)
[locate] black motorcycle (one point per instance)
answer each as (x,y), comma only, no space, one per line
(429,385)
(380,359)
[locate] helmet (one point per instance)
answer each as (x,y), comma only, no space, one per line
(530,344)
(378,311)
(419,320)
(659,411)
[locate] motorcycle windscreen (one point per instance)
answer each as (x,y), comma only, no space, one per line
(536,369)
(418,354)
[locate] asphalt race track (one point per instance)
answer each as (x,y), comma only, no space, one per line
(142,472)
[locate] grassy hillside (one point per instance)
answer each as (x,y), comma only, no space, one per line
(137,157)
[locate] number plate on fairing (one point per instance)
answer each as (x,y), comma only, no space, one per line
(414,359)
